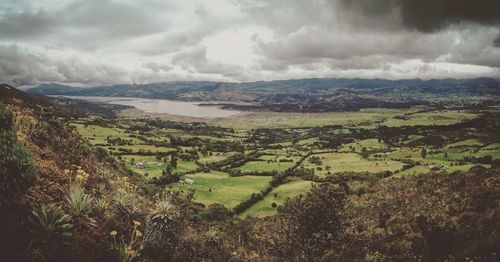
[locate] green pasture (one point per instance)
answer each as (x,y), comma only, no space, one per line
(225,190)
(424,169)
(443,117)
(369,144)
(145,148)
(465,143)
(154,167)
(277,196)
(98,134)
(185,166)
(259,166)
(345,162)
(215,157)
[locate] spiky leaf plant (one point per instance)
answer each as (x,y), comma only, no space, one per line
(50,224)
(164,210)
(162,227)
(127,202)
(79,201)
(104,174)
(213,235)
(101,205)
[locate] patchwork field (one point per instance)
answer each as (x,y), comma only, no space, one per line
(424,169)
(368,144)
(153,167)
(445,117)
(258,166)
(215,157)
(167,150)
(97,134)
(331,163)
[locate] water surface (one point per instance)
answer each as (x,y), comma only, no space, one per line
(192,109)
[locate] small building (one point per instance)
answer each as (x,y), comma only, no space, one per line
(433,167)
(188,181)
(141,165)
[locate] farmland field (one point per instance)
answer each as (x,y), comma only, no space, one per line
(265,166)
(232,161)
(219,187)
(278,197)
(332,163)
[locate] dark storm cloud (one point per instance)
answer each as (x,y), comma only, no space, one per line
(431,15)
(25,25)
(88,25)
(343,50)
(370,34)
(496,42)
(112,19)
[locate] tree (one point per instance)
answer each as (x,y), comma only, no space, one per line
(168,169)
(173,161)
(204,150)
(364,152)
(17,171)
(423,152)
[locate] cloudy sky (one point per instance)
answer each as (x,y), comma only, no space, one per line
(95,42)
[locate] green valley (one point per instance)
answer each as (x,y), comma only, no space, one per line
(237,164)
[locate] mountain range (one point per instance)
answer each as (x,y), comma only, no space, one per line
(299,95)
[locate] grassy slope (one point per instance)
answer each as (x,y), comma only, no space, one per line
(226,190)
(342,162)
(278,196)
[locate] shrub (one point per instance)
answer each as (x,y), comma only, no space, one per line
(164,210)
(128,249)
(79,201)
(126,197)
(217,212)
(50,224)
(125,200)
(213,235)
(166,179)
(104,174)
(101,205)
(17,172)
(162,230)
(315,221)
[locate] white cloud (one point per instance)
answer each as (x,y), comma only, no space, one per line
(111,41)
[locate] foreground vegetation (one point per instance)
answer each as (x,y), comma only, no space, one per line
(389,188)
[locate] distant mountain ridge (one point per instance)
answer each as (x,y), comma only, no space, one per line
(298,95)
(249,91)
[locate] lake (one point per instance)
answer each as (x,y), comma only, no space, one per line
(192,109)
